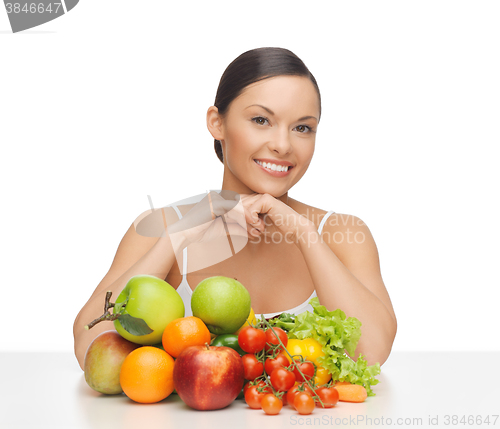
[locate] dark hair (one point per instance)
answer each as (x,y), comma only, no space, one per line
(253,66)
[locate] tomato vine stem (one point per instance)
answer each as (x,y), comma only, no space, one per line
(315,395)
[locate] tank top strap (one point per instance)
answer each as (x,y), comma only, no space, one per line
(177,211)
(322,223)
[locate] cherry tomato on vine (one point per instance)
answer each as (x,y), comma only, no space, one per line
(271,404)
(272,339)
(260,383)
(278,362)
(328,395)
(253,397)
(252,340)
(284,400)
(251,367)
(282,379)
(303,387)
(307,369)
(304,403)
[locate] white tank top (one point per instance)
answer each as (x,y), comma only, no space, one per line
(186,292)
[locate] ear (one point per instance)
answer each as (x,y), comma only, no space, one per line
(214,123)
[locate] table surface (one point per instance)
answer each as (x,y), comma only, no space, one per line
(416,389)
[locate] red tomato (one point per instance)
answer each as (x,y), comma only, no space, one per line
(328,395)
(282,379)
(284,400)
(246,386)
(307,369)
(252,367)
(279,361)
(252,340)
(253,397)
(271,404)
(260,383)
(304,403)
(290,395)
(272,339)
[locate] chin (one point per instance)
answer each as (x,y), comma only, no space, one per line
(274,191)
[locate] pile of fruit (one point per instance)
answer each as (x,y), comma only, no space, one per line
(223,352)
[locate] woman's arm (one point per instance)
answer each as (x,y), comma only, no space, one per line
(136,254)
(344,266)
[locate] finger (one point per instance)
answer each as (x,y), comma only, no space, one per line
(248,197)
(253,231)
(211,207)
(223,207)
(253,215)
(263,205)
(235,229)
(237,215)
(225,202)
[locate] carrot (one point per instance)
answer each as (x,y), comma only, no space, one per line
(350,392)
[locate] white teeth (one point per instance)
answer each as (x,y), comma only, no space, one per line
(273,167)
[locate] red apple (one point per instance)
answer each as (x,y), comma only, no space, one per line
(103,361)
(208,377)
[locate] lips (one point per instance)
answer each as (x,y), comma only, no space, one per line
(268,168)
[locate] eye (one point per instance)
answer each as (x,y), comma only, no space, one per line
(260,120)
(303,129)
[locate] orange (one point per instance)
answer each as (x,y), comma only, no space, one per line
(181,333)
(146,375)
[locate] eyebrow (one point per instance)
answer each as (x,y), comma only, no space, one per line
(272,113)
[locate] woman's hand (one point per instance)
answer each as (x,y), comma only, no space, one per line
(269,216)
(205,221)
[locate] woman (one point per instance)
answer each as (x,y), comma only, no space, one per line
(264,122)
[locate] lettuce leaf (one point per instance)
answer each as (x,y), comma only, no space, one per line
(337,335)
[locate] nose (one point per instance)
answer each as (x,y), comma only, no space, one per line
(280,142)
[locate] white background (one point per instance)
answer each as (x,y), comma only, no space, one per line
(107,105)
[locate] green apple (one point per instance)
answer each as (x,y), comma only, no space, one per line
(222,303)
(151,299)
(103,361)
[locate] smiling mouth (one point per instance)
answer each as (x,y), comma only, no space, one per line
(273,167)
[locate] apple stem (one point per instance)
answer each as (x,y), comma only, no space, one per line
(107,304)
(107,315)
(207,346)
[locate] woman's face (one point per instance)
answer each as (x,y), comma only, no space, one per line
(272,121)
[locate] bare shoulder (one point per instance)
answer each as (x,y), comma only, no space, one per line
(152,223)
(141,236)
(339,223)
(314,214)
(349,237)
